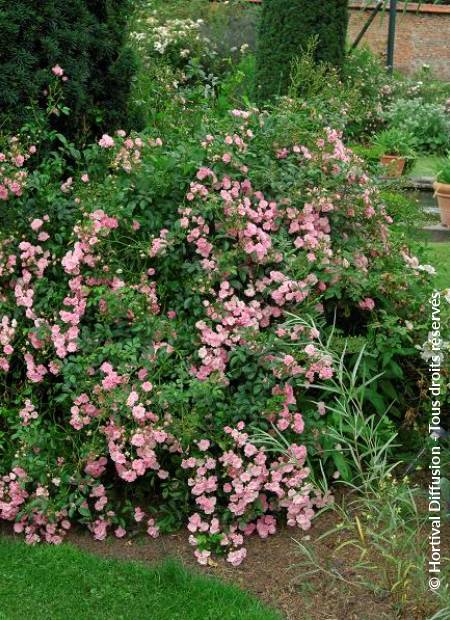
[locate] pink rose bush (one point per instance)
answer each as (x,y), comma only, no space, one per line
(146,337)
(13,174)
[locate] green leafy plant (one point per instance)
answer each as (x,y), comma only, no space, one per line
(443,176)
(370,90)
(403,209)
(379,515)
(428,123)
(395,142)
(369,153)
(381,535)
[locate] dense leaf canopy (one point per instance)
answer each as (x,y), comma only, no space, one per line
(86,38)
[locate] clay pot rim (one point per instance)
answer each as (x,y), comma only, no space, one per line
(393,156)
(441,188)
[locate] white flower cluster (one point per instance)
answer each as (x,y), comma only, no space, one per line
(428,350)
(173,32)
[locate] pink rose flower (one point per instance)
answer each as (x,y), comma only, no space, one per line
(58,71)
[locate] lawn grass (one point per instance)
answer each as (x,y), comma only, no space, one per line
(439,254)
(436,254)
(63,583)
(427,166)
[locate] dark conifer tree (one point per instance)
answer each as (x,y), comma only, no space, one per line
(287,27)
(87,39)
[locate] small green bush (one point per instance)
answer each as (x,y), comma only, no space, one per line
(370,154)
(395,141)
(429,123)
(443,175)
(369,88)
(403,208)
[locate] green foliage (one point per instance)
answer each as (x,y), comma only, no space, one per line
(429,123)
(395,141)
(352,100)
(370,154)
(424,85)
(369,89)
(383,524)
(311,79)
(381,517)
(187,63)
(287,28)
(443,175)
(86,38)
(402,208)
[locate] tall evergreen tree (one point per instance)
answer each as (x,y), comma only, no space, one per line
(286,29)
(86,38)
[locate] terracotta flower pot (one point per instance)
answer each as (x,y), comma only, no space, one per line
(394,165)
(442,193)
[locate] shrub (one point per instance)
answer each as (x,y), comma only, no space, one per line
(368,90)
(352,100)
(429,123)
(146,334)
(404,209)
(423,85)
(287,28)
(184,65)
(86,39)
(371,154)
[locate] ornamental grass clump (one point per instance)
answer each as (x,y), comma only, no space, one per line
(144,342)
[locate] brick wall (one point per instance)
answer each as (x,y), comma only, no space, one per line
(423,36)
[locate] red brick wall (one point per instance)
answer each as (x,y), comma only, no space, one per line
(423,36)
